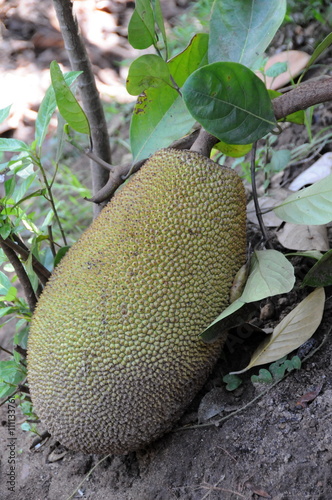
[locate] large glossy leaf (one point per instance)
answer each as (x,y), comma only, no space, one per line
(230,102)
(47,108)
(67,103)
(295,329)
(141,30)
(147,71)
(241,30)
(310,206)
(160,115)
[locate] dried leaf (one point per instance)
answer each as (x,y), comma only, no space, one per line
(302,237)
(318,170)
(297,327)
(256,490)
(266,204)
(296,61)
(309,396)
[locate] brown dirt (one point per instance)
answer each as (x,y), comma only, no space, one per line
(273,448)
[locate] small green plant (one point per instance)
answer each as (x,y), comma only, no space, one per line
(277,370)
(232,382)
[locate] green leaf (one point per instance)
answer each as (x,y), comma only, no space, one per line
(12,145)
(160,115)
(61,137)
(295,329)
(60,254)
(26,426)
(146,72)
(296,362)
(312,254)
(270,274)
(321,273)
(241,30)
(158,15)
(10,373)
(317,52)
(210,334)
(22,187)
(21,164)
(278,368)
(233,150)
(67,104)
(39,192)
(8,370)
(4,113)
(311,206)
(47,108)
(276,69)
(4,311)
(297,117)
(264,377)
(232,381)
(5,283)
(21,337)
(5,230)
(279,160)
(10,295)
(230,102)
(141,28)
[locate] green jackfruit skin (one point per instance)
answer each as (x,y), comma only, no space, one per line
(114,355)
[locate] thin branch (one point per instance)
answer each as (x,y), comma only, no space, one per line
(5,350)
(117,177)
(87,476)
(255,197)
(91,155)
(21,351)
(50,237)
(79,61)
(21,274)
(19,247)
(51,199)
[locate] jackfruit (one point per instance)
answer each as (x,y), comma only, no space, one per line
(114,353)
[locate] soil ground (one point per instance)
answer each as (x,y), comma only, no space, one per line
(269,447)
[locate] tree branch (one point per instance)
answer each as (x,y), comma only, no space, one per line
(119,174)
(21,274)
(302,97)
(19,247)
(79,61)
(204,143)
